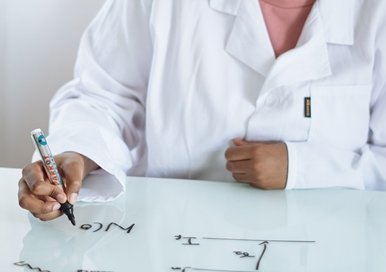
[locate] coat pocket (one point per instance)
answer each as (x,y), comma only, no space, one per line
(340,115)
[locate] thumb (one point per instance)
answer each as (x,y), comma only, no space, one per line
(239,142)
(73,173)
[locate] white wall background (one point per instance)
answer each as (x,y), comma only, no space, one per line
(38,45)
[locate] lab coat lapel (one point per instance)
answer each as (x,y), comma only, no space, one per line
(330,22)
(338,20)
(308,61)
(248,42)
(225,6)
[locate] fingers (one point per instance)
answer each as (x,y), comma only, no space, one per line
(239,160)
(48,216)
(40,197)
(239,167)
(45,210)
(237,153)
(242,177)
(38,185)
(73,174)
(261,164)
(250,178)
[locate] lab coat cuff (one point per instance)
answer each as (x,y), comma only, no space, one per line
(105,184)
(292,166)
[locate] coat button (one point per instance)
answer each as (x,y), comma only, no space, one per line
(272,100)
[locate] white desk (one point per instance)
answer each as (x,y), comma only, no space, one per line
(348,229)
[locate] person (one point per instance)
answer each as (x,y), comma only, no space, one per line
(292,92)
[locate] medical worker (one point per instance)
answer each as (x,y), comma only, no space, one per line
(279,94)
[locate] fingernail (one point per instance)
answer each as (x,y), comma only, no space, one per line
(73,198)
(56,207)
(62,198)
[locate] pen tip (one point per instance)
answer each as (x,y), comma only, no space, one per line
(67,209)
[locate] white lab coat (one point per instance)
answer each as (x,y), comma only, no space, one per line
(162,86)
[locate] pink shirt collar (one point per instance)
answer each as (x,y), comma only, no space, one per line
(290,3)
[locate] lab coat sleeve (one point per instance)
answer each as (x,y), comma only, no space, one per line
(100,113)
(316,165)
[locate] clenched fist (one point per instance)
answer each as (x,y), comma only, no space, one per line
(261,164)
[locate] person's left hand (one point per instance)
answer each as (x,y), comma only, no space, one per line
(261,164)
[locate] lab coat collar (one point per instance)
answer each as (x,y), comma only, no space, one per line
(250,44)
(308,61)
(338,20)
(225,6)
(248,40)
(337,17)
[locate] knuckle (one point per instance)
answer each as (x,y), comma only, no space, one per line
(37,188)
(227,154)
(35,215)
(41,209)
(76,183)
(40,216)
(54,191)
(21,183)
(31,167)
(58,195)
(23,201)
(45,209)
(26,169)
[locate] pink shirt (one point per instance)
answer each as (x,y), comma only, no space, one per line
(285,20)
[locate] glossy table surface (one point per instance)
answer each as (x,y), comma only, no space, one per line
(180,225)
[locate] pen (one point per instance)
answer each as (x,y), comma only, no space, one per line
(51,169)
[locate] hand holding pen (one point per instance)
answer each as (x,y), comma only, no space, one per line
(52,170)
(42,198)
